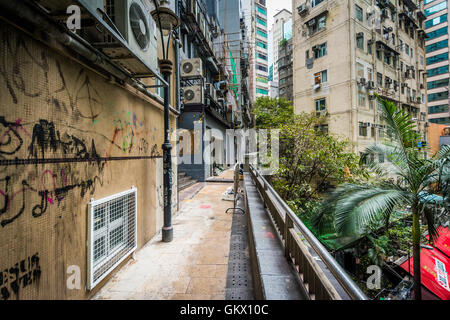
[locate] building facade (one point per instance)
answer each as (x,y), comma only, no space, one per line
(278,35)
(437,50)
(346,51)
(212,58)
(81,144)
(285,70)
(259,53)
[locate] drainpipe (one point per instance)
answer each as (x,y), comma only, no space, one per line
(75,43)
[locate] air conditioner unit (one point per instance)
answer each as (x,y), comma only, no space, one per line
(192,68)
(362,81)
(133,20)
(302,9)
(193,95)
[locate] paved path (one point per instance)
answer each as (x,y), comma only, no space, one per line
(193,266)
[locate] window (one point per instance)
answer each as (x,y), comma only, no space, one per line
(315,3)
(387,82)
(436,21)
(262,44)
(407,49)
(359,70)
(379,79)
(261,68)
(262,91)
(261,22)
(261,33)
(379,55)
(436,8)
(261,10)
(360,40)
(263,80)
(437,33)
(262,56)
(320,77)
(387,57)
(369,47)
(369,74)
(362,129)
(359,13)
(361,99)
(380,158)
(445,120)
(317,24)
(438,96)
(320,51)
(437,58)
(438,109)
(437,45)
(437,71)
(321,106)
(438,84)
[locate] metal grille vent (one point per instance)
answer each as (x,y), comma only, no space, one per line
(112,233)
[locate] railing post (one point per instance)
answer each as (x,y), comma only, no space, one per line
(288,224)
(246,163)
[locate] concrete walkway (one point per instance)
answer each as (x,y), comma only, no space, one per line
(193,266)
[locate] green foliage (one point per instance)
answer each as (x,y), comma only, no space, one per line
(379,250)
(272,113)
(310,161)
(354,207)
(283,42)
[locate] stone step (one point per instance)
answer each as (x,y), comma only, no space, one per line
(181,175)
(187,184)
(184,179)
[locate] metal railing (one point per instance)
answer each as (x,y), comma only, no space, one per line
(289,226)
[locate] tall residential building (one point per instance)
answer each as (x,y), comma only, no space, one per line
(277,35)
(285,64)
(346,51)
(259,54)
(437,51)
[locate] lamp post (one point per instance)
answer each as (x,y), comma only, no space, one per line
(167,22)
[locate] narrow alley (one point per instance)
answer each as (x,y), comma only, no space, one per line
(194,265)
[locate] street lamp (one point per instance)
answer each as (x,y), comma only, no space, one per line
(167,22)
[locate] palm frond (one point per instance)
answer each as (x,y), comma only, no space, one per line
(365,206)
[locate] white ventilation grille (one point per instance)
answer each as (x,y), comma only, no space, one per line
(112,233)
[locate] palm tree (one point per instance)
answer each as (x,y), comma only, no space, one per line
(353,207)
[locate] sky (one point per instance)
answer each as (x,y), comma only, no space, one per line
(273,6)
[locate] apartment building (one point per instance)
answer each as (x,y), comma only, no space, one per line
(259,54)
(437,50)
(277,36)
(285,65)
(346,51)
(210,61)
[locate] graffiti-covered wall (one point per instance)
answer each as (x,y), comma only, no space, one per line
(66,135)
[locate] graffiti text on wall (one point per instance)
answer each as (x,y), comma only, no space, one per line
(19,276)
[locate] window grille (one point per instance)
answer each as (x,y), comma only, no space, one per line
(112,233)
